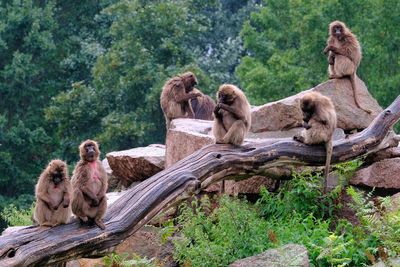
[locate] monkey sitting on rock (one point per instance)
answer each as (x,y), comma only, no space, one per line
(175,97)
(344,56)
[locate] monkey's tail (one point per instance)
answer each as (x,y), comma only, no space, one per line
(353,78)
(328,148)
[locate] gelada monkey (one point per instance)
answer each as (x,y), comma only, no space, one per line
(203,106)
(344,56)
(232,115)
(175,97)
(319,122)
(53,191)
(89,185)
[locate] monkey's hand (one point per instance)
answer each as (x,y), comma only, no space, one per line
(223,106)
(330,48)
(331,59)
(65,203)
(306,125)
(95,203)
(216,111)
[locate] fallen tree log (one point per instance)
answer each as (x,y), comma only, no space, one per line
(37,246)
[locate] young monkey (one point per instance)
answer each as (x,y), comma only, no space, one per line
(319,121)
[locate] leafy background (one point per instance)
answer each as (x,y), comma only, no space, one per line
(72,70)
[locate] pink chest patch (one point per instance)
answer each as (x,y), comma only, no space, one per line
(95,171)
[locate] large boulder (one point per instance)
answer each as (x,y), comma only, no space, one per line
(388,153)
(250,185)
(382,174)
(288,255)
(186,136)
(286,113)
(137,164)
(395,203)
(113,181)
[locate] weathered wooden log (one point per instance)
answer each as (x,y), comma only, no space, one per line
(37,246)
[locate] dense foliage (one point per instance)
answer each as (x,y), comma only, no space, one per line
(72,70)
(296,214)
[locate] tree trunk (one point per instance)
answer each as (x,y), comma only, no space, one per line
(38,246)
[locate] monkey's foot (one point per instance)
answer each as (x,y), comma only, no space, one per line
(334,77)
(100,224)
(47,224)
(83,219)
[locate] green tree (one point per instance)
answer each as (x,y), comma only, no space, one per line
(28,79)
(285,39)
(150,42)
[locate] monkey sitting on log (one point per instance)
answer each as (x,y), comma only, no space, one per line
(175,97)
(319,121)
(232,115)
(89,184)
(203,106)
(52,192)
(344,56)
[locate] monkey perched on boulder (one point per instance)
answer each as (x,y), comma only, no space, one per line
(232,115)
(175,97)
(319,121)
(344,56)
(89,183)
(53,191)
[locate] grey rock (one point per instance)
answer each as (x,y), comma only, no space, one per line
(288,255)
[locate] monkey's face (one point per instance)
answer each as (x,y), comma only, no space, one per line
(337,29)
(226,95)
(308,108)
(57,177)
(57,170)
(190,81)
(89,150)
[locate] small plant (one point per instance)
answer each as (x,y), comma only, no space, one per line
(17,217)
(379,221)
(167,231)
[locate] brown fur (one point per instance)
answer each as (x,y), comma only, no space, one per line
(89,184)
(203,106)
(175,97)
(53,198)
(344,55)
(319,122)
(232,115)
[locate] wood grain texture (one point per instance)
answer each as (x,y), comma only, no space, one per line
(38,246)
